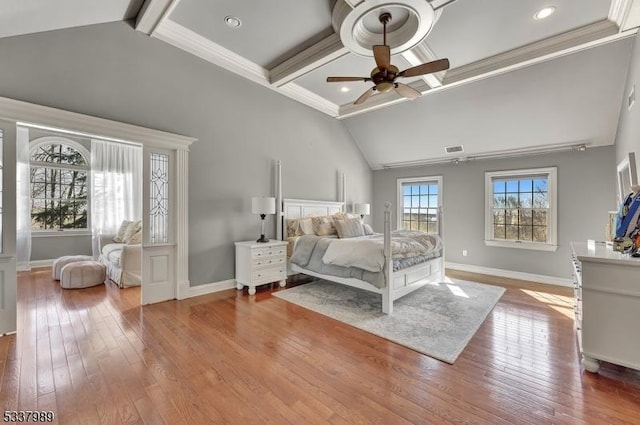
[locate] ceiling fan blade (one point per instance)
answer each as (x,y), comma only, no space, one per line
(341,79)
(426,68)
(382,55)
(407,91)
(365,96)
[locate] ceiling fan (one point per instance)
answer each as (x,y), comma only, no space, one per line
(384,75)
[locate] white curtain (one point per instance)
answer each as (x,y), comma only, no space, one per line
(23,200)
(116,187)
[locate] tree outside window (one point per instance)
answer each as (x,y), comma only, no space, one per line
(59,187)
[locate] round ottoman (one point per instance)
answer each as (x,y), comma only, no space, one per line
(82,274)
(63,261)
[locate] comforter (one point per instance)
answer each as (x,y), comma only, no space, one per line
(364,257)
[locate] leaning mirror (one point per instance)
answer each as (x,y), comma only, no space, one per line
(627,176)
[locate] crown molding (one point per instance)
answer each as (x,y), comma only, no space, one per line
(618,11)
(192,42)
(321,53)
(309,98)
(189,41)
(31,113)
(380,101)
(561,42)
(152,13)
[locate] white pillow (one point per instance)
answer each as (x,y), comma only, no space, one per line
(134,227)
(368,230)
(350,228)
(119,237)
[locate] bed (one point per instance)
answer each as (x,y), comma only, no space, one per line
(394,280)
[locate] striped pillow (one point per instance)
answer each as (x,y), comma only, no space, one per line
(350,228)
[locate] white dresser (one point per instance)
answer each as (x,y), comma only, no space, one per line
(260,263)
(607,305)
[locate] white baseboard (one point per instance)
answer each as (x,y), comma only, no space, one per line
(540,278)
(186,291)
(36,263)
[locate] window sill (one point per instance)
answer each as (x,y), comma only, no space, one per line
(59,233)
(522,245)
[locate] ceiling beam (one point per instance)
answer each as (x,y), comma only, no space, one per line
(420,54)
(619,11)
(380,101)
(353,3)
(321,53)
(152,13)
(567,40)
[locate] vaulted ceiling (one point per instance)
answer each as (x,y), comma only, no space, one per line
(515,83)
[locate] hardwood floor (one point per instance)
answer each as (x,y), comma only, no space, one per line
(94,356)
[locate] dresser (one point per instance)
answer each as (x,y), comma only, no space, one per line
(607,305)
(260,263)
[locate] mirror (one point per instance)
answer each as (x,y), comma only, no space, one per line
(627,176)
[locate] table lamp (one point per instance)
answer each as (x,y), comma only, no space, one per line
(263,205)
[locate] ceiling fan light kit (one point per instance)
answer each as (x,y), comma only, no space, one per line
(384,75)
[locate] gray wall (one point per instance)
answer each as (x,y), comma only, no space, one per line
(49,247)
(628,136)
(114,72)
(586,192)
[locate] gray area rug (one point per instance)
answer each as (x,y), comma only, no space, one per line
(437,320)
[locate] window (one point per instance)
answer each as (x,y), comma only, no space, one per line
(59,175)
(419,201)
(521,209)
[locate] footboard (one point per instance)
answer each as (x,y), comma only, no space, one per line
(403,281)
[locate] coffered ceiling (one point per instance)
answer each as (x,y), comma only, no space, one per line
(516,84)
(292,46)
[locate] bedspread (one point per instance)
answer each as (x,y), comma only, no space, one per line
(310,250)
(367,252)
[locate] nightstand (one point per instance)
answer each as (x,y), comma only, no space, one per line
(260,263)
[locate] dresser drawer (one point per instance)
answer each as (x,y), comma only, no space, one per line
(268,275)
(268,251)
(271,261)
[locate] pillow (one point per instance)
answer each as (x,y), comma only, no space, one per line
(121,231)
(133,228)
(368,230)
(350,228)
(317,221)
(325,229)
(299,227)
(306,226)
(136,238)
(293,228)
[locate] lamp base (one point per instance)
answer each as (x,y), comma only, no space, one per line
(262,239)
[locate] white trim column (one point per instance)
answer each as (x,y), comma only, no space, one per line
(182,222)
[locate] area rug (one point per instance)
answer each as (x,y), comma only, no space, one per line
(437,320)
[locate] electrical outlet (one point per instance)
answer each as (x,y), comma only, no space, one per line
(464,252)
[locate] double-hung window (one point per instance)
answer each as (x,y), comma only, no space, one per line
(521,209)
(59,171)
(419,202)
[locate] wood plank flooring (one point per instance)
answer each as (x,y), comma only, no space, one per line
(94,356)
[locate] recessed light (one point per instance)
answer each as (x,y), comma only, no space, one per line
(345,89)
(232,21)
(545,12)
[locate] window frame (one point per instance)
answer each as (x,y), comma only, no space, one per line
(400,202)
(47,140)
(551,174)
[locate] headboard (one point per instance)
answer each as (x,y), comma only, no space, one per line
(296,208)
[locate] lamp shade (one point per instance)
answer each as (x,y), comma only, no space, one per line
(263,205)
(362,209)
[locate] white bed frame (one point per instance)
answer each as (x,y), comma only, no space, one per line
(397,284)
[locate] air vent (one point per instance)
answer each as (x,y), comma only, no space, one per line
(453,149)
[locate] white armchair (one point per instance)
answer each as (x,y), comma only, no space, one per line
(123,262)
